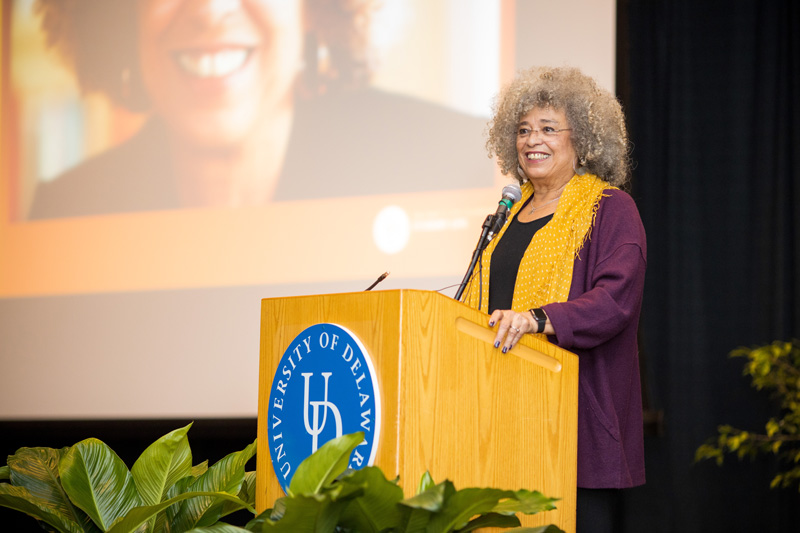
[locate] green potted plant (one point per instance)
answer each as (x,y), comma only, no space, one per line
(776,368)
(325,496)
(86,488)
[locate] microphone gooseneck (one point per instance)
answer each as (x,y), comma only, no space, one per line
(491,227)
(380,278)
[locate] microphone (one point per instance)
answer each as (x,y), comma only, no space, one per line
(380,278)
(511,195)
(491,226)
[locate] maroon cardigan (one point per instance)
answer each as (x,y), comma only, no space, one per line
(599,322)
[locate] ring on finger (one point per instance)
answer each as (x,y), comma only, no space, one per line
(515,329)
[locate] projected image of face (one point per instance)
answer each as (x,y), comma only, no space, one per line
(235,103)
(214,68)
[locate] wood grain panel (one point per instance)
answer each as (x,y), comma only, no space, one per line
(452,403)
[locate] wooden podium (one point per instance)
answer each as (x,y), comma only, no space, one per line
(452,404)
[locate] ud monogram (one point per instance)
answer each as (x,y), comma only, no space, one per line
(315,428)
(325,386)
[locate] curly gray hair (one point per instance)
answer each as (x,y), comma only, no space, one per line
(595,116)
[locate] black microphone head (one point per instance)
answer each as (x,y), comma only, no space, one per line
(512,192)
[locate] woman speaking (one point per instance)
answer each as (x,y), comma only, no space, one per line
(569,264)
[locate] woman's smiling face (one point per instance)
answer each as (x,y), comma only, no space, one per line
(213,68)
(544,146)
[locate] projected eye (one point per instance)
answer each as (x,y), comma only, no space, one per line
(391,229)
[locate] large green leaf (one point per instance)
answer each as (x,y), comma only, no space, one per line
(200,469)
(36,469)
(431,499)
(247,493)
(541,529)
(161,465)
(377,509)
(324,465)
(317,513)
(257,523)
(139,515)
(278,508)
(459,508)
(219,527)
(425,482)
(418,510)
(312,513)
(525,501)
(159,469)
(98,482)
(248,490)
(227,475)
(5,472)
(19,499)
(413,520)
(490,520)
(168,515)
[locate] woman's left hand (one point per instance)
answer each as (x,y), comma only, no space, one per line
(511,326)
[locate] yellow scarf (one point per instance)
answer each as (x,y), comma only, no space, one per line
(545,272)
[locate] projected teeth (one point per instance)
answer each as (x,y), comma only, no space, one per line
(212,64)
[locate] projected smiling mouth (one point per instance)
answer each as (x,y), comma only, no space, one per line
(212,64)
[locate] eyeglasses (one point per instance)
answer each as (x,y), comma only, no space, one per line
(547,132)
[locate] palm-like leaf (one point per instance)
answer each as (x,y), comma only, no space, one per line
(98,482)
(305,513)
(463,505)
(165,518)
(200,469)
(139,515)
(257,523)
(248,490)
(247,493)
(315,512)
(219,528)
(161,465)
(431,499)
(525,501)
(19,499)
(36,470)
(227,475)
(425,482)
(490,520)
(414,520)
(325,465)
(541,529)
(377,509)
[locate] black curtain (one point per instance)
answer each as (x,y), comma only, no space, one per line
(712,95)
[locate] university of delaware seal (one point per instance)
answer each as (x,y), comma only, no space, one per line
(325,387)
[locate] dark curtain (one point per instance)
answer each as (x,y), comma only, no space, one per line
(712,95)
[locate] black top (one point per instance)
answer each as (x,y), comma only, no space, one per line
(506,258)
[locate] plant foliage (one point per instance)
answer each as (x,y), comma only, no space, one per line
(776,368)
(325,496)
(86,488)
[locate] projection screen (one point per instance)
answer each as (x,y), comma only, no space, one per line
(166,164)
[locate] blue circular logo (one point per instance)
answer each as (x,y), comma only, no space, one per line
(325,387)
